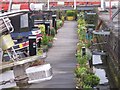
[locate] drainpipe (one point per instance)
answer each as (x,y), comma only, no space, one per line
(48,5)
(74,4)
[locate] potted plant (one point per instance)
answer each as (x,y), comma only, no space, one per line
(70,15)
(92,80)
(52,31)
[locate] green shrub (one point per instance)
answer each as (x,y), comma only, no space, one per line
(42,28)
(45,40)
(70,13)
(91,80)
(82,60)
(81,22)
(52,31)
(39,52)
(59,23)
(49,45)
(50,38)
(63,18)
(80,72)
(45,48)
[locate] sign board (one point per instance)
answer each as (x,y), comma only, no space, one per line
(24,20)
(36,7)
(96,59)
(16,6)
(60,3)
(101,32)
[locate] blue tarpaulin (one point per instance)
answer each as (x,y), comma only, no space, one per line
(22,34)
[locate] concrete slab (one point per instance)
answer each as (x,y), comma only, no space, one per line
(6,76)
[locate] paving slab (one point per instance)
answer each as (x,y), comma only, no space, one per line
(62,58)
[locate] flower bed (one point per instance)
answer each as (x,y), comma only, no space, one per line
(85,78)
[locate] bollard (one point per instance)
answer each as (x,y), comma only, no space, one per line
(32,45)
(83,51)
(39,43)
(47,27)
(54,22)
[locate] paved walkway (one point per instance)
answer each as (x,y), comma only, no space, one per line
(62,58)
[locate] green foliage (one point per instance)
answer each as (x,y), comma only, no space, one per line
(81,15)
(88,44)
(80,72)
(49,45)
(70,13)
(52,31)
(85,78)
(81,29)
(39,52)
(45,48)
(42,28)
(63,18)
(59,23)
(45,40)
(91,80)
(81,22)
(87,87)
(82,60)
(50,38)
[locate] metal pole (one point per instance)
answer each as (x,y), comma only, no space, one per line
(110,10)
(102,5)
(48,5)
(74,4)
(10,6)
(1,55)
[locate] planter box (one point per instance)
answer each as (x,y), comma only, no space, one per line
(39,73)
(70,18)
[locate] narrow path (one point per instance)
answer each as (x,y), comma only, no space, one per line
(62,58)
